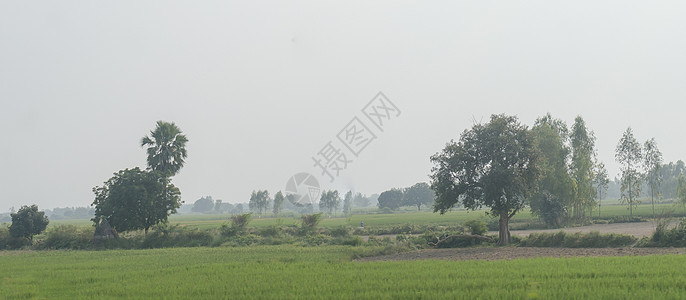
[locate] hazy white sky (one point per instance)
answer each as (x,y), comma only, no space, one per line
(260,87)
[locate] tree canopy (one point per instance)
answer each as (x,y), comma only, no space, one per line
(27,222)
(419,194)
(166,148)
(136,199)
(493,165)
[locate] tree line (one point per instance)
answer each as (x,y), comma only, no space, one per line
(552,168)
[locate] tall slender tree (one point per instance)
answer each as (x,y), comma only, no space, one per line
(601,182)
(628,154)
(278,202)
(166,148)
(348,203)
(583,155)
(555,189)
(652,163)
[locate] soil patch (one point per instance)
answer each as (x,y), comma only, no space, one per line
(508,253)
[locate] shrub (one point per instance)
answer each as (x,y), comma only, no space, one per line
(476,227)
(239,224)
(340,231)
(166,236)
(664,237)
(578,240)
(67,237)
(309,223)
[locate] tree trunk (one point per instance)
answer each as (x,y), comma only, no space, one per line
(419,207)
(504,230)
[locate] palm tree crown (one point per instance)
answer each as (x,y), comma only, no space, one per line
(166,148)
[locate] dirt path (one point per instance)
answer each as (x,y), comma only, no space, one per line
(507,253)
(638,229)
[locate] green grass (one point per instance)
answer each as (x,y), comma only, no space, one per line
(279,272)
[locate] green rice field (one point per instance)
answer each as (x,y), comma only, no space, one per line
(287,272)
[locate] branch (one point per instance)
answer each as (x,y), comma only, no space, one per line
(471,236)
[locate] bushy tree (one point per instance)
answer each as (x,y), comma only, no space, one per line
(136,199)
(330,201)
(27,222)
(203,205)
(259,201)
(361,200)
(555,183)
(494,165)
(392,199)
(419,194)
(628,155)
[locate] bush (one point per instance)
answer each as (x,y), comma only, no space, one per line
(239,224)
(476,227)
(309,223)
(340,231)
(167,236)
(664,237)
(578,240)
(67,237)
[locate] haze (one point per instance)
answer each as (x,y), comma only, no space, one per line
(260,87)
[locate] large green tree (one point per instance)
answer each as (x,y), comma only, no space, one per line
(494,165)
(419,194)
(628,155)
(135,199)
(583,156)
(555,188)
(27,222)
(652,163)
(166,148)
(392,199)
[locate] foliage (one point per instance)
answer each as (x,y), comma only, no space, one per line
(330,201)
(348,203)
(259,201)
(391,199)
(166,148)
(361,200)
(628,154)
(27,222)
(278,203)
(666,237)
(600,181)
(238,226)
(67,237)
(578,240)
(583,155)
(652,162)
(681,191)
(555,188)
(167,236)
(309,223)
(135,199)
(203,205)
(419,194)
(494,165)
(476,227)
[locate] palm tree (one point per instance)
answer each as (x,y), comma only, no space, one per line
(166,148)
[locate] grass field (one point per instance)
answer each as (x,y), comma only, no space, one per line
(278,272)
(373,218)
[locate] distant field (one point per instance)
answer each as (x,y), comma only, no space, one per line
(373,218)
(281,272)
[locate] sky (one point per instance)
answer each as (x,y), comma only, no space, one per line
(261,87)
